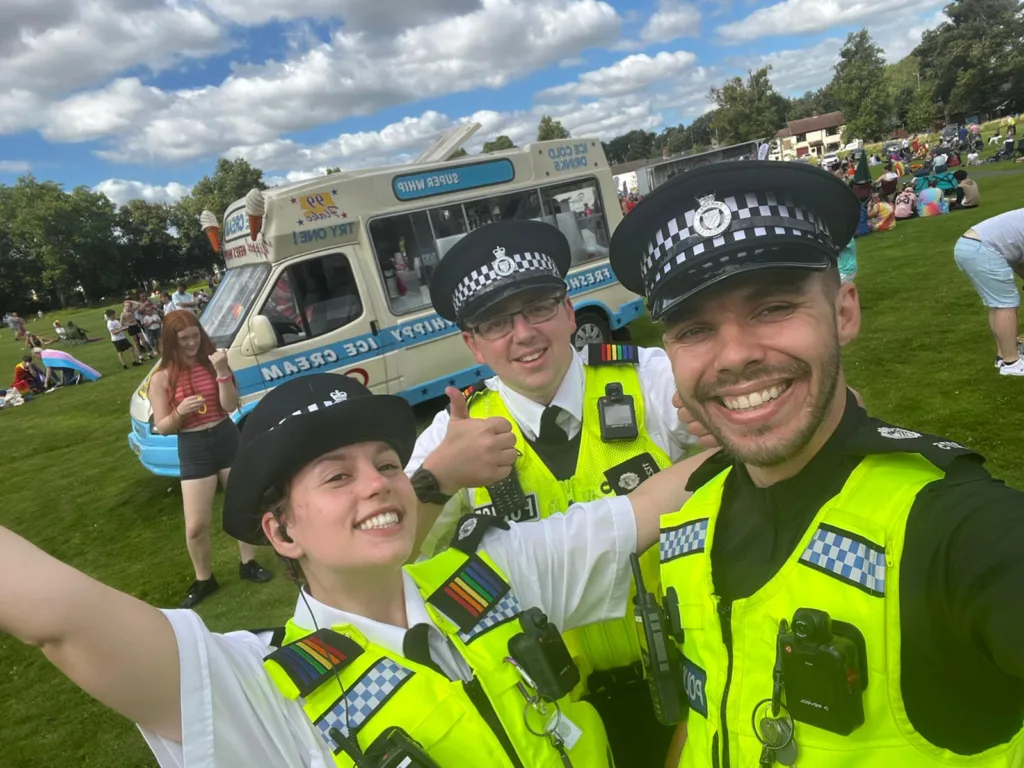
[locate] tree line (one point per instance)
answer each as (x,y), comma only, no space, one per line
(972,64)
(61,247)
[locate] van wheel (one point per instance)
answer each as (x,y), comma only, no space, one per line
(591,328)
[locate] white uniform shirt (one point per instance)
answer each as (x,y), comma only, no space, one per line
(574,567)
(660,421)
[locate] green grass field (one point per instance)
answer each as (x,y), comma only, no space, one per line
(71,485)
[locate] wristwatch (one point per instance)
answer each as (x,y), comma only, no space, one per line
(428,490)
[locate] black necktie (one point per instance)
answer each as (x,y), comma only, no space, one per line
(416,647)
(550,433)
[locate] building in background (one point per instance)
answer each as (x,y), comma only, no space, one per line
(810,137)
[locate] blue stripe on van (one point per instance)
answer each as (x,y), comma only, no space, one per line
(352,350)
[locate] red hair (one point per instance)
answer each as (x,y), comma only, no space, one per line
(173,357)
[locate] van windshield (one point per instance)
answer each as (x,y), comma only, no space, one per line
(232,299)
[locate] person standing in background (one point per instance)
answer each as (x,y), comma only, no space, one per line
(117,337)
(193,393)
(991,254)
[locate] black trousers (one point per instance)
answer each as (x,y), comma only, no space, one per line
(636,737)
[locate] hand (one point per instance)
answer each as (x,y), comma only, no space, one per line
(219,360)
(474,452)
(704,438)
(190,405)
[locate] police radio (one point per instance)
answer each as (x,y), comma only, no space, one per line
(508,498)
(661,659)
(617,415)
(395,748)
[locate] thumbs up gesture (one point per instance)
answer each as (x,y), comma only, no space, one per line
(474,452)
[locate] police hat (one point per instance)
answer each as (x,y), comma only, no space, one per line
(495,261)
(728,218)
(298,422)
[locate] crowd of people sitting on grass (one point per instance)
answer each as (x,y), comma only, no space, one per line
(135,330)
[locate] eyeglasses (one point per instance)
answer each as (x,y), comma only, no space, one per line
(535,312)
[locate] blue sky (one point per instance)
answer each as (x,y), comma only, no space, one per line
(138,98)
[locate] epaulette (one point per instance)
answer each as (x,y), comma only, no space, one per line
(613,354)
(300,668)
(470,392)
(471,529)
(879,437)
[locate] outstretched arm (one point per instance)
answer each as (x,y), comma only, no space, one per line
(115,648)
(661,495)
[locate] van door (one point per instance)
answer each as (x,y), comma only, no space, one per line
(323,313)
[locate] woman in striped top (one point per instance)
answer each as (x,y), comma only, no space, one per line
(193,393)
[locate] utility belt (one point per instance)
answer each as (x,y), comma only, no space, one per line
(607,680)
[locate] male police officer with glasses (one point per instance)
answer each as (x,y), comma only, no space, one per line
(553,427)
(850,593)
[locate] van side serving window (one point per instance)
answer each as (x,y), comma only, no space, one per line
(409,245)
(313,297)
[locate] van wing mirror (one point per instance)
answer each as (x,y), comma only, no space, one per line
(260,338)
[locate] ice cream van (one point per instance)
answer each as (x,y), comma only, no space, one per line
(332,273)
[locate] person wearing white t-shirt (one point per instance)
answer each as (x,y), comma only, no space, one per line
(120,341)
(319,477)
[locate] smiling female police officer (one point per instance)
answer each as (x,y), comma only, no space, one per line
(371,646)
(860,579)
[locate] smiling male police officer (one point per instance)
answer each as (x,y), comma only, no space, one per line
(575,427)
(861,579)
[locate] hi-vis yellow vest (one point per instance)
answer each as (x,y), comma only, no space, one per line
(610,644)
(847,564)
(351,685)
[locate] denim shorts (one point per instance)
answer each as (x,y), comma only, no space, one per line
(205,452)
(989,272)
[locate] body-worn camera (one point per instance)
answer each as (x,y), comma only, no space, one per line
(395,748)
(617,415)
(541,652)
(824,669)
(663,664)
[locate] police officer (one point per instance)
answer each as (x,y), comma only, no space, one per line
(851,592)
(575,427)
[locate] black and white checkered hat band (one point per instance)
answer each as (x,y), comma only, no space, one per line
(501,270)
(754,215)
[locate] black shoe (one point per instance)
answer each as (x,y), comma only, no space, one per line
(199,591)
(253,571)
(137,362)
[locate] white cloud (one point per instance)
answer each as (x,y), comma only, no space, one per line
(91,41)
(672,20)
(14,166)
(99,113)
(120,191)
(363,15)
(357,75)
(797,70)
(628,75)
(792,17)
